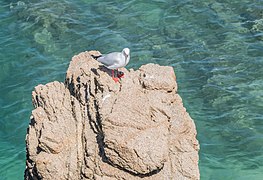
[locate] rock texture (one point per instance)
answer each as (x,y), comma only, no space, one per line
(93,128)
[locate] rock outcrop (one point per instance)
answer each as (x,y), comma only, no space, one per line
(93,128)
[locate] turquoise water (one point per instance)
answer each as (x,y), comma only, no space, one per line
(215,47)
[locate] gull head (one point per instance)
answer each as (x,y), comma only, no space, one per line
(126,52)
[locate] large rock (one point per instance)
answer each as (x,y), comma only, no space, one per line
(93,128)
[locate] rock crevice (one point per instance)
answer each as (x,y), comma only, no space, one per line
(93,128)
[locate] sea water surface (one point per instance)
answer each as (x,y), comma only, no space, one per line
(214,46)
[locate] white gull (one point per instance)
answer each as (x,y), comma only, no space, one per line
(114,61)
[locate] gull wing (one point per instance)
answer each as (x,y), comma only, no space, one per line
(110,59)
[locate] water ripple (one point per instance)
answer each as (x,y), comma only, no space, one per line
(215,48)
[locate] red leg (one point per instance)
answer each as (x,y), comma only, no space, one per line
(113,76)
(120,75)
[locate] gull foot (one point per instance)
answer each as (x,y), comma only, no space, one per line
(115,79)
(120,74)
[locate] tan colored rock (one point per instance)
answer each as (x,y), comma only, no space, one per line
(94,128)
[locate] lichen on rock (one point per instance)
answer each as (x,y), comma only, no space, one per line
(93,128)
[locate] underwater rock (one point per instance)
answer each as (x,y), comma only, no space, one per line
(93,128)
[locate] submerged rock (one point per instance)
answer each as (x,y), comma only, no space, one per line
(93,128)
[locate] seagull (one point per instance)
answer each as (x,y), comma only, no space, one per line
(114,61)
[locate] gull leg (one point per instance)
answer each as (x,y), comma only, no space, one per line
(116,73)
(113,75)
(120,74)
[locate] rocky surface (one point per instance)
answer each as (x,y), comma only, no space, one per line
(93,128)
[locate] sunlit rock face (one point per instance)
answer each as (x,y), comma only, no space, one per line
(91,127)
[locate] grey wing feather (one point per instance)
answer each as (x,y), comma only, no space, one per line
(110,59)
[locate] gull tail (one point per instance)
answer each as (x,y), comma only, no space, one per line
(96,57)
